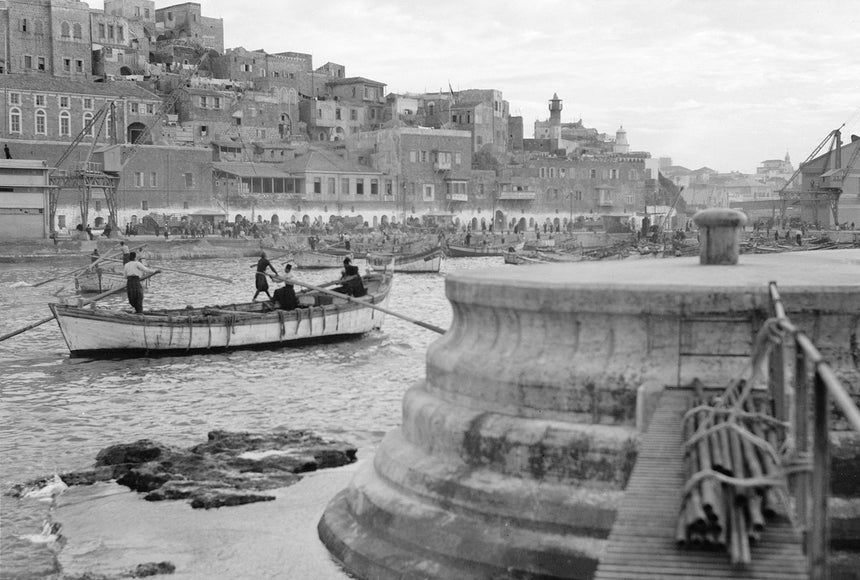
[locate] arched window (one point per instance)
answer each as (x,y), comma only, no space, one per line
(41,122)
(87,117)
(64,29)
(14,120)
(76,31)
(65,123)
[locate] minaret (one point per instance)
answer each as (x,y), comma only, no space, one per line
(621,145)
(555,119)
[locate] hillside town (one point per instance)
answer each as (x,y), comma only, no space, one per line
(136,118)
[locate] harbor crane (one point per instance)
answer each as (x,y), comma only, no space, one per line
(829,183)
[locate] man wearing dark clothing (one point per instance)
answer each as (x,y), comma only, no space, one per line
(285,297)
(134,271)
(350,279)
(6,151)
(260,280)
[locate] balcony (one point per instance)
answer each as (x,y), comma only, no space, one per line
(457,197)
(442,165)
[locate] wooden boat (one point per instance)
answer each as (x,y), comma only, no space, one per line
(309,260)
(98,280)
(424,261)
(540,257)
(475,251)
(102,332)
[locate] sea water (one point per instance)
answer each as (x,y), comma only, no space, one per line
(57,412)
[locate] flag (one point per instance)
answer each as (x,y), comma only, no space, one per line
(450,88)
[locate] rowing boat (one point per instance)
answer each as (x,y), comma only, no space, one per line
(313,260)
(474,251)
(428,260)
(102,332)
(98,280)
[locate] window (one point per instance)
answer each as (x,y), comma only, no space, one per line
(101,30)
(28,61)
(423,157)
(629,200)
(344,185)
(39,100)
(189,180)
(577,195)
(138,178)
(318,185)
(144,205)
(632,174)
(542,172)
(613,174)
(389,190)
(592,173)
(120,34)
(561,172)
(110,31)
(65,123)
(353,115)
(216,102)
(41,122)
(67,64)
(14,98)
(88,103)
(64,30)
(337,114)
(359,187)
(79,65)
(374,187)
(412,156)
(146,13)
(15,120)
(76,31)
(153,179)
(86,119)
(458,158)
(133,107)
(552,172)
(61,221)
(22,25)
(331,183)
(150,109)
(184,205)
(428,192)
(40,63)
(64,102)
(204,102)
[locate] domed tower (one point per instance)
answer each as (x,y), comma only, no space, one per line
(555,118)
(621,145)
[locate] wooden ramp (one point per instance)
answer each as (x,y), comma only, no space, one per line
(642,543)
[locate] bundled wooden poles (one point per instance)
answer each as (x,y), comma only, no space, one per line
(733,473)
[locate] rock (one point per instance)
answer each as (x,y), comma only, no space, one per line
(231,468)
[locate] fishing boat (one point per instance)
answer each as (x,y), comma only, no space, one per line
(428,260)
(98,280)
(482,251)
(98,332)
(315,260)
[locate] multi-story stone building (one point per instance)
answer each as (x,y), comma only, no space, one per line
(120,45)
(186,21)
(351,105)
(49,37)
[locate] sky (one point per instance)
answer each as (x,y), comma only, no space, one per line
(720,83)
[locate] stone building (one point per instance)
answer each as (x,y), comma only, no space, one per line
(120,44)
(43,109)
(186,21)
(49,37)
(350,105)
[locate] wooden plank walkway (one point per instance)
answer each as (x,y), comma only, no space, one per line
(642,542)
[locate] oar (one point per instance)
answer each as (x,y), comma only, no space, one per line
(220,279)
(83,303)
(81,269)
(363,303)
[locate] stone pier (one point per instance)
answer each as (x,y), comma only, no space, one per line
(515,449)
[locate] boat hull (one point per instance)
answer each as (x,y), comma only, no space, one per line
(317,260)
(97,332)
(96,282)
(474,251)
(429,261)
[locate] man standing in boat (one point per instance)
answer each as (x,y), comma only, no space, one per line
(134,271)
(285,297)
(260,279)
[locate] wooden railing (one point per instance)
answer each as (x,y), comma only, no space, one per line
(791,403)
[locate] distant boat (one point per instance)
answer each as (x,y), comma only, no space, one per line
(97,280)
(428,260)
(307,259)
(482,251)
(102,332)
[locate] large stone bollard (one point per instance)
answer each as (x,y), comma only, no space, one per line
(515,450)
(719,231)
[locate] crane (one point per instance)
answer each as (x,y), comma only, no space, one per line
(833,176)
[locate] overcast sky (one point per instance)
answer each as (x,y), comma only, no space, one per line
(724,84)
